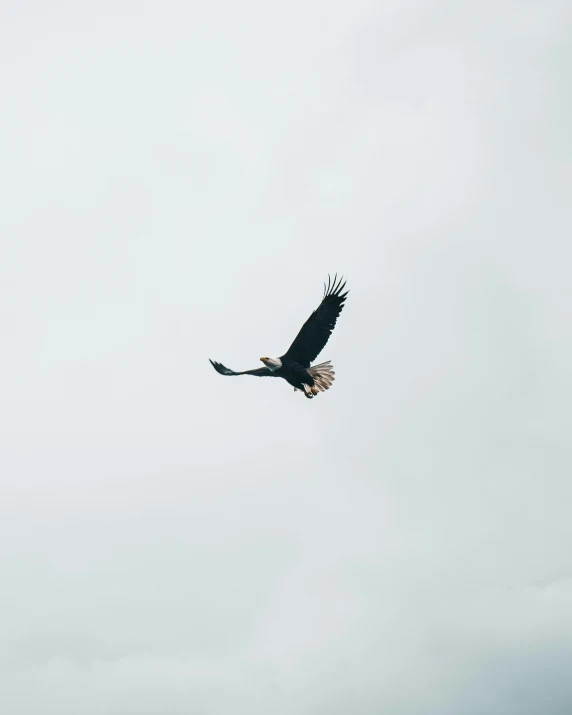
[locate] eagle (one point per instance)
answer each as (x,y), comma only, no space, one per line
(295,365)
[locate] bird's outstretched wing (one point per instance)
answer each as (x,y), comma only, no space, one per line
(316,331)
(260,372)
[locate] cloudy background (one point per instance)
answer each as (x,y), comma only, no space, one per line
(177,180)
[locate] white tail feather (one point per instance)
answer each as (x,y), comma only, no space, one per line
(323,375)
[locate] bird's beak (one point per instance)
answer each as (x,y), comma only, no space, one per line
(262,359)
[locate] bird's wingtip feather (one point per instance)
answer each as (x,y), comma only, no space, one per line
(335,286)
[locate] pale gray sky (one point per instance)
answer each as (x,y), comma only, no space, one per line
(177,180)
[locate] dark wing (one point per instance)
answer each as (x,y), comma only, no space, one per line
(316,331)
(260,372)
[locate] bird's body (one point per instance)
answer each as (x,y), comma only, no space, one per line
(295,365)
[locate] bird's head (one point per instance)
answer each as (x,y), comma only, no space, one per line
(272,363)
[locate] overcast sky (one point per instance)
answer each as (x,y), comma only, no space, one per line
(177,180)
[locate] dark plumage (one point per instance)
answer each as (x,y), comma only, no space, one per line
(294,365)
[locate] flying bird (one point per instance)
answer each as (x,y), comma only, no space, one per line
(295,365)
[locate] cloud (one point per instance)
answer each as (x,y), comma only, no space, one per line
(178,183)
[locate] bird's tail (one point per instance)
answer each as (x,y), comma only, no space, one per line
(323,375)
